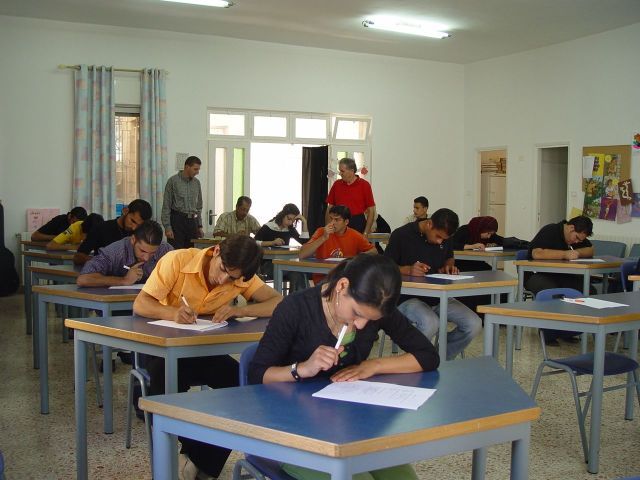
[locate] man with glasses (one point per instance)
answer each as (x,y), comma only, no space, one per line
(209,281)
(566,240)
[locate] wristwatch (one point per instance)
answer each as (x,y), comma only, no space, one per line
(294,372)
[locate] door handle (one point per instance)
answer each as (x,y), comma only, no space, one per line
(211,215)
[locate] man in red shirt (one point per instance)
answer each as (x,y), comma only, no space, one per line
(354,193)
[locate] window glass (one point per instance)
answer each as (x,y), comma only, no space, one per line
(269,126)
(226,124)
(311,128)
(127,127)
(351,129)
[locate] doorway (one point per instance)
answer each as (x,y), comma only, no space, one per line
(553,163)
(493,186)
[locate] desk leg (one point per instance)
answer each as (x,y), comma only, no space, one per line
(35,341)
(107,394)
(40,333)
(596,402)
(27,294)
(479,464)
(162,452)
(80,368)
(170,386)
(509,350)
(442,332)
(520,457)
(489,326)
(277,277)
(520,294)
(633,353)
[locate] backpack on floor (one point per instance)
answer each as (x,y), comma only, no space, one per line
(9,280)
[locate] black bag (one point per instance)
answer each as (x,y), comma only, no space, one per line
(514,243)
(9,280)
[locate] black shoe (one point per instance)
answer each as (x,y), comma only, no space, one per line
(113,365)
(552,343)
(126,357)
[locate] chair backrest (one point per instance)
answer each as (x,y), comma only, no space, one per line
(551,293)
(522,255)
(635,250)
(607,247)
(626,269)
(245,360)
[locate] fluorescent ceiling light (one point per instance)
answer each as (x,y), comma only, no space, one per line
(206,3)
(403,26)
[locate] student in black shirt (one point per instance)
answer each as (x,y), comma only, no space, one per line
(58,224)
(111,231)
(560,241)
(424,247)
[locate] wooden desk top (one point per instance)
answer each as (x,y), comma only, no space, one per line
(138,329)
(50,255)
(609,262)
(378,237)
(71,271)
(97,294)
(473,395)
(479,253)
(480,279)
(569,312)
(306,262)
(634,278)
(207,240)
(284,252)
(31,243)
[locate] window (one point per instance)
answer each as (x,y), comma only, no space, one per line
(227,124)
(270,126)
(127,126)
(351,129)
(313,128)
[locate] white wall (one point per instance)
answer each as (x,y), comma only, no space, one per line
(580,93)
(417,106)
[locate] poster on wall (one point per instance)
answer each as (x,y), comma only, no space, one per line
(601,199)
(37,217)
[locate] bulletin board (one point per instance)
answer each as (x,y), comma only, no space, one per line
(607,187)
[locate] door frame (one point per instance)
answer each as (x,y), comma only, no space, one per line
(538,179)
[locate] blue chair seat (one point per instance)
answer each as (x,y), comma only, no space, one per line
(614,364)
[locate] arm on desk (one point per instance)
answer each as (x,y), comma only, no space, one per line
(550,254)
(41,237)
(100,280)
(149,306)
(263,303)
(61,246)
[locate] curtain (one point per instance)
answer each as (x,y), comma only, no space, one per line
(315,168)
(94,179)
(153,138)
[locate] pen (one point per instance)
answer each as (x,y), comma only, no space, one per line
(184,300)
(126,267)
(341,336)
(570,247)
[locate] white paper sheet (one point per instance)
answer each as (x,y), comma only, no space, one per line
(587,260)
(593,303)
(201,325)
(245,319)
(445,276)
(333,259)
(135,286)
(375,393)
(287,247)
(493,249)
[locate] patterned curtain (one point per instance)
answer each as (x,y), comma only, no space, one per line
(153,138)
(94,176)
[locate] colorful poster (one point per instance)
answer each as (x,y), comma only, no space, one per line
(625,192)
(36,217)
(601,190)
(624,213)
(608,209)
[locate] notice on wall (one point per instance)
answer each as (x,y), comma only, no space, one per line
(36,217)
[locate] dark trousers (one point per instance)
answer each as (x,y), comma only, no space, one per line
(184,230)
(358,222)
(220,371)
(537,282)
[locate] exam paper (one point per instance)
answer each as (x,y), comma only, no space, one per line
(135,286)
(588,260)
(375,393)
(201,325)
(594,303)
(333,259)
(445,276)
(493,249)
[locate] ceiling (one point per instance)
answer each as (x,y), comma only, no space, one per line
(480,29)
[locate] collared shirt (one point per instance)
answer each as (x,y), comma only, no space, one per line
(357,195)
(180,273)
(552,237)
(407,246)
(229,223)
(73,234)
(183,195)
(111,259)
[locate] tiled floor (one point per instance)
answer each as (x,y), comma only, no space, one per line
(43,446)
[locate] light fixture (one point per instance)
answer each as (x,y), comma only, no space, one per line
(403,26)
(205,3)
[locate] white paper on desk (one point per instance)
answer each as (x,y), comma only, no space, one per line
(493,249)
(135,286)
(445,276)
(375,393)
(593,303)
(587,260)
(333,259)
(201,325)
(288,247)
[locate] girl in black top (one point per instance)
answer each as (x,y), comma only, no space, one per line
(477,235)
(361,294)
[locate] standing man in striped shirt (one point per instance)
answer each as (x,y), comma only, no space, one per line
(182,205)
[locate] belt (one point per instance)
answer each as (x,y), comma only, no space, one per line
(185,215)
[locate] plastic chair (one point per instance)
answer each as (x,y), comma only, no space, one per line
(626,269)
(1,467)
(635,250)
(576,365)
(255,467)
(608,247)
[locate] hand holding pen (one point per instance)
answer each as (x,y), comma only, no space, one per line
(185,314)
(134,273)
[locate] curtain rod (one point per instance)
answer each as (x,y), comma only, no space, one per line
(130,70)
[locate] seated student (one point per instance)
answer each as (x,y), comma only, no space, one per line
(127,261)
(420,209)
(209,279)
(299,342)
(279,231)
(58,224)
(424,247)
(479,234)
(560,241)
(113,230)
(76,233)
(237,221)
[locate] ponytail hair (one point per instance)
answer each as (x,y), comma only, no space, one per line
(374,280)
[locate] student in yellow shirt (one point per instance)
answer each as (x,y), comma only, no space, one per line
(75,234)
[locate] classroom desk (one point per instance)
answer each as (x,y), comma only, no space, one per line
(487,282)
(476,405)
(102,299)
(636,282)
(28,256)
(304,265)
(561,315)
(492,258)
(135,334)
(206,242)
(378,237)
